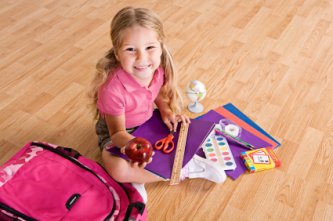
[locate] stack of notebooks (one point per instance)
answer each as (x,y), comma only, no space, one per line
(199,129)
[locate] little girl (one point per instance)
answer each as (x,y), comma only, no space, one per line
(136,73)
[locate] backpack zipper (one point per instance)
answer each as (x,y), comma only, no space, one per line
(16,213)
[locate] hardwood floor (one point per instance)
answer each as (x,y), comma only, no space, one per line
(272,59)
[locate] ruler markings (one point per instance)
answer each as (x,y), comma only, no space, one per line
(179,156)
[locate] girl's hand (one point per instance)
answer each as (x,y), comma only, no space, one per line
(141,165)
(137,164)
(172,120)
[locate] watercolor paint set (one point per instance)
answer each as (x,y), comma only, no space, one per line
(216,148)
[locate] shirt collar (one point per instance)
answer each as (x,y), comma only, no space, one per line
(129,83)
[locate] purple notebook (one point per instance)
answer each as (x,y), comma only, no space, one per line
(154,129)
(236,149)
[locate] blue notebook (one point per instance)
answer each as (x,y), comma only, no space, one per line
(230,107)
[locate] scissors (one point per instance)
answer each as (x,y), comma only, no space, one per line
(165,144)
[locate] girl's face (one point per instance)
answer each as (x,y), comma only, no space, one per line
(140,53)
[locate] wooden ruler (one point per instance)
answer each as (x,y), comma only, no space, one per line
(179,156)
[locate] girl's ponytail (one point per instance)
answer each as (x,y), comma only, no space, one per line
(170,88)
(103,69)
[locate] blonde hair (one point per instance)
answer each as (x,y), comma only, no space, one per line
(127,18)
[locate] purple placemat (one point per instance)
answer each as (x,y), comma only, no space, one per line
(154,129)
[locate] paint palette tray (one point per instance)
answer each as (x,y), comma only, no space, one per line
(216,148)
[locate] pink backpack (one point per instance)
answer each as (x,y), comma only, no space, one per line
(47,182)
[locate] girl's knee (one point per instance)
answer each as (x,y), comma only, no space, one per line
(119,175)
(116,167)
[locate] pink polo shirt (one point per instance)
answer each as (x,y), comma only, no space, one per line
(122,94)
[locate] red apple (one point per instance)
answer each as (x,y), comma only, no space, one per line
(139,150)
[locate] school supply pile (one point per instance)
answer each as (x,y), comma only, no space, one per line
(241,133)
(223,133)
(48,182)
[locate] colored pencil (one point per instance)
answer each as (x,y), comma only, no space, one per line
(236,139)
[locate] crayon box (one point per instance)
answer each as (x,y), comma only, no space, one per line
(260,159)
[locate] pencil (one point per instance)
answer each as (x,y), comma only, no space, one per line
(239,141)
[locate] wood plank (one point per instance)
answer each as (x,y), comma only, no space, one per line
(272,59)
